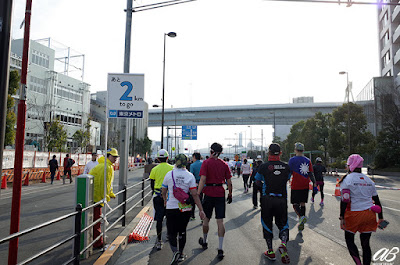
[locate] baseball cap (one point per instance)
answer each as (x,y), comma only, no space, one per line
(112,151)
(162,153)
(259,157)
(274,149)
(181,160)
(299,146)
(318,159)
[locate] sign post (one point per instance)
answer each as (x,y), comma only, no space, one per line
(125,99)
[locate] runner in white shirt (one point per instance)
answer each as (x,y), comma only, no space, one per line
(246,171)
(91,164)
(177,213)
(357,209)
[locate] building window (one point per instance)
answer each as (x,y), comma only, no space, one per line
(40,58)
(386,58)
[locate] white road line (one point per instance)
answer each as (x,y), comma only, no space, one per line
(397,210)
(34,191)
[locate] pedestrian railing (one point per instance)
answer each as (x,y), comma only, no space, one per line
(78,229)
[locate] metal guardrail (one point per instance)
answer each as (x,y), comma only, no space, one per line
(78,230)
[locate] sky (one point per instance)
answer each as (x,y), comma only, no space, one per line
(227,52)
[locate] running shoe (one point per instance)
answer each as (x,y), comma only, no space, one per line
(284,255)
(220,255)
(302,221)
(321,203)
(312,200)
(270,254)
(192,218)
(255,207)
(182,257)
(202,243)
(158,245)
(175,258)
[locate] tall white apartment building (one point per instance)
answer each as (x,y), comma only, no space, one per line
(389,40)
(51,95)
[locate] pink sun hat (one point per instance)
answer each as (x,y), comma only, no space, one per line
(355,161)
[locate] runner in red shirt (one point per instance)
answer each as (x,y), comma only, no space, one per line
(214,172)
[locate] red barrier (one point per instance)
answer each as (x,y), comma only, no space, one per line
(4,182)
(43,177)
(26,181)
(58,175)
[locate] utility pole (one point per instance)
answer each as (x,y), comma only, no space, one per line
(19,142)
(124,144)
(5,33)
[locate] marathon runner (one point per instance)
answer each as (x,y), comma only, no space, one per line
(302,171)
(257,186)
(319,171)
(214,172)
(246,171)
(357,210)
(238,167)
(157,175)
(195,170)
(274,174)
(178,213)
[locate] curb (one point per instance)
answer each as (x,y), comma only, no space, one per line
(114,250)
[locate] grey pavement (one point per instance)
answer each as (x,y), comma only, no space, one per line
(42,202)
(322,241)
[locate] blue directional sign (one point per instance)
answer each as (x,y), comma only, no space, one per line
(189,132)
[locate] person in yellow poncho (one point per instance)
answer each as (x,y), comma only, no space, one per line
(98,189)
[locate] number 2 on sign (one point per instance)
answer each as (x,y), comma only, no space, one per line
(125,96)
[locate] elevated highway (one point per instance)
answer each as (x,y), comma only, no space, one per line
(265,114)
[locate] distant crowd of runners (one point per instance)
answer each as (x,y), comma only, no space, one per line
(178,188)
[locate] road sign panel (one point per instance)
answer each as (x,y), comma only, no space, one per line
(189,132)
(125,96)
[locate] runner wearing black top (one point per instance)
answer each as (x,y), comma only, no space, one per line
(319,171)
(275,175)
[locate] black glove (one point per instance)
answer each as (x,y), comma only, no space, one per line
(229,199)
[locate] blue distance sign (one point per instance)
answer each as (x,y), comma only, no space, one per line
(125,96)
(189,132)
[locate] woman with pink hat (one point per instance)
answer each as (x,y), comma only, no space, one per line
(358,208)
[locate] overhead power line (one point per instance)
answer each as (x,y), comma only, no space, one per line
(159,5)
(346,2)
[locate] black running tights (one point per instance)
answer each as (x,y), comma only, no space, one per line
(353,250)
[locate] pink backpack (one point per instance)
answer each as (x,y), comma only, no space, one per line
(179,194)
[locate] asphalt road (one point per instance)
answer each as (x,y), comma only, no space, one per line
(42,202)
(322,241)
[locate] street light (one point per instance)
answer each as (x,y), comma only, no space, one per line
(178,111)
(251,140)
(274,135)
(172,35)
(348,108)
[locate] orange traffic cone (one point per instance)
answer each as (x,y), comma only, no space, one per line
(4,182)
(26,181)
(58,176)
(43,177)
(337,188)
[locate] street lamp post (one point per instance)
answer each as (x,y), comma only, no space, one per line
(178,111)
(347,96)
(172,35)
(251,139)
(274,135)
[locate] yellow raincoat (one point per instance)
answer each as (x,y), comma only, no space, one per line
(98,184)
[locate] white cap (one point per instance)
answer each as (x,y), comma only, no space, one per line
(162,153)
(259,157)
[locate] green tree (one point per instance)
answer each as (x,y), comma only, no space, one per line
(322,132)
(388,147)
(348,132)
(56,137)
(11,117)
(143,146)
(82,137)
(294,136)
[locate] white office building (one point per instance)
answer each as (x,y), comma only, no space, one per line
(51,95)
